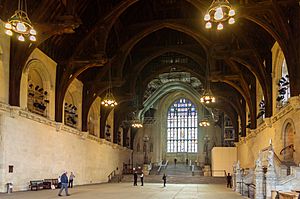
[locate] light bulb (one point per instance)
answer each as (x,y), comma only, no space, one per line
(9,32)
(8,26)
(32,38)
(21,27)
(32,32)
(207,17)
(220,26)
(218,14)
(231,13)
(21,38)
(208,25)
(231,21)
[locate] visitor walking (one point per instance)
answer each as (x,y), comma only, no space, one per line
(175,161)
(71,178)
(135,176)
(64,184)
(142,179)
(164,179)
(229,180)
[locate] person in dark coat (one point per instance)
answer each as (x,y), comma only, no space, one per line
(142,179)
(135,176)
(64,184)
(229,180)
(164,179)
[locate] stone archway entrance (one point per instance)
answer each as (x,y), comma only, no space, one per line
(288,149)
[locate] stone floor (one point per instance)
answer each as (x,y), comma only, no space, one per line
(126,190)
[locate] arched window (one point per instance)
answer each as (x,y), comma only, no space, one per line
(285,82)
(182,127)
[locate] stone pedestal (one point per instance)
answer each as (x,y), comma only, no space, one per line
(259,177)
(270,181)
(237,181)
(207,170)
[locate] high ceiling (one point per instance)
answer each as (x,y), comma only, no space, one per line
(136,38)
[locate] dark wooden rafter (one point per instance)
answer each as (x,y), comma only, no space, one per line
(70,73)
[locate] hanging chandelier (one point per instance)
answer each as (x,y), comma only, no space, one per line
(109,100)
(204,122)
(207,96)
(219,12)
(20,24)
(137,124)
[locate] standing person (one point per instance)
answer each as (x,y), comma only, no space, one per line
(135,179)
(142,179)
(229,179)
(175,161)
(72,176)
(64,184)
(164,179)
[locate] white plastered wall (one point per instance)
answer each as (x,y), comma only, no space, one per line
(38,149)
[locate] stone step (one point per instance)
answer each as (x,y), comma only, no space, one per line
(178,179)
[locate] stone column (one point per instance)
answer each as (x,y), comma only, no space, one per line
(238,178)
(270,175)
(259,178)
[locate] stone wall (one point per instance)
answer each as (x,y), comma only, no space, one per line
(222,159)
(39,148)
(272,129)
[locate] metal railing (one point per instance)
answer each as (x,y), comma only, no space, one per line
(162,166)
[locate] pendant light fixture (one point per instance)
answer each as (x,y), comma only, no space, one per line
(109,100)
(20,24)
(207,96)
(219,12)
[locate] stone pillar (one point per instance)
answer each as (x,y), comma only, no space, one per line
(259,179)
(238,181)
(270,175)
(237,178)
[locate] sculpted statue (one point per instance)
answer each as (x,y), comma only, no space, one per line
(271,158)
(258,162)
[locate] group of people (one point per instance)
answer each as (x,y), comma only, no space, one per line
(135,177)
(64,183)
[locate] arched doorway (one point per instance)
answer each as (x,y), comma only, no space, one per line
(288,149)
(182,129)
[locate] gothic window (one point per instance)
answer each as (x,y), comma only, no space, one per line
(285,82)
(182,127)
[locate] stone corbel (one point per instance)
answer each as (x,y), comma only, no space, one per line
(14,111)
(58,126)
(268,122)
(84,135)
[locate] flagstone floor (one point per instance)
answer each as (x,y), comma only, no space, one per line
(126,190)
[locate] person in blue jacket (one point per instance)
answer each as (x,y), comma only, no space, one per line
(64,184)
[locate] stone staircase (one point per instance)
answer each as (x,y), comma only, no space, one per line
(179,174)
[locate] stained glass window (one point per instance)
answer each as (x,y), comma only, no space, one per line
(182,127)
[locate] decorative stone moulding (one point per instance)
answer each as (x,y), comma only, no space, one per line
(295,102)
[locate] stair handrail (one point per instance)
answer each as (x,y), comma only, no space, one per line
(291,146)
(112,174)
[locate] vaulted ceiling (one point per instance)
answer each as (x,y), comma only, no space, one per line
(133,37)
